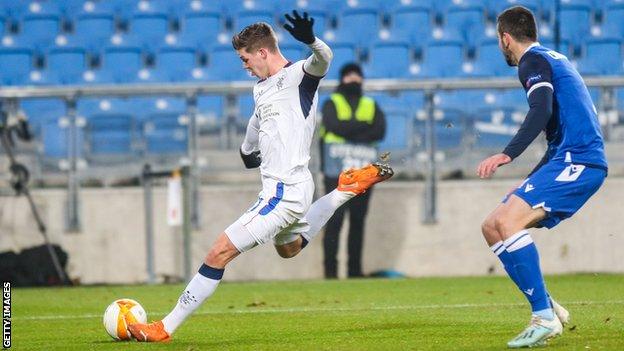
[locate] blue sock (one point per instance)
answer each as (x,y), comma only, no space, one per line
(523,260)
(500,251)
(504,256)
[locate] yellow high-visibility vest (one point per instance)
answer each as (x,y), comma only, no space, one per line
(365,112)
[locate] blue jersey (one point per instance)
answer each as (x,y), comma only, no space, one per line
(573,131)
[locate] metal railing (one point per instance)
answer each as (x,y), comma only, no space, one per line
(190,91)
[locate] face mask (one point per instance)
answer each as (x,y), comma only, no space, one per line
(351,88)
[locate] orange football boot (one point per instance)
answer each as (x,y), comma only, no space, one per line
(357,181)
(153,332)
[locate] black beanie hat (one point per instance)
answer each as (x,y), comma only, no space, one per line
(349,68)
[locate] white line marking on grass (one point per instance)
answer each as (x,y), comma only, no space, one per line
(332,309)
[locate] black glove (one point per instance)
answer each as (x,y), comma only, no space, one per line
(252,160)
(300,27)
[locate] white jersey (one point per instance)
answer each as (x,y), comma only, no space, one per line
(285,108)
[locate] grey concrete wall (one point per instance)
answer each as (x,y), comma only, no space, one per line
(111,246)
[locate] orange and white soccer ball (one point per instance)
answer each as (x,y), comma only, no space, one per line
(119,314)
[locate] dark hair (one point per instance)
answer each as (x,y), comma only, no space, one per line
(255,36)
(519,22)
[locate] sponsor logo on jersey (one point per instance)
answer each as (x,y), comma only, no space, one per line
(528,188)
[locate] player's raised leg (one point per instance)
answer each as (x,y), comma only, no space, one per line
(351,183)
(201,286)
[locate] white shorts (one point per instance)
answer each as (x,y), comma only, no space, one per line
(277,215)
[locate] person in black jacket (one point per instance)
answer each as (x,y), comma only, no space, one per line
(352,125)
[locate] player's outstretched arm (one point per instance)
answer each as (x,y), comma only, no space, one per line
(301,28)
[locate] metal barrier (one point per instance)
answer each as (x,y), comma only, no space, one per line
(10,96)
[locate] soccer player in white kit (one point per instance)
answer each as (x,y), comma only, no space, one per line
(278,140)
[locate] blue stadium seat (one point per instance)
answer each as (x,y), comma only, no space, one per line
(40,29)
(164,135)
(55,136)
(293,52)
(606,54)
(236,6)
(494,127)
(149,27)
(93,77)
(399,129)
(95,28)
(614,20)
(146,75)
(405,101)
(40,78)
(377,5)
(575,22)
(414,100)
(143,107)
(201,28)
(414,20)
(443,59)
(495,7)
(224,64)
(3,22)
(389,60)
(110,134)
(124,62)
(198,74)
(512,98)
(15,63)
(39,110)
(466,101)
(467,21)
(358,24)
(68,62)
(490,61)
(211,112)
(184,7)
(88,107)
(246,17)
(448,136)
(176,62)
(343,53)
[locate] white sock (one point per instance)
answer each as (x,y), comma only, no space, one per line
(322,209)
(197,290)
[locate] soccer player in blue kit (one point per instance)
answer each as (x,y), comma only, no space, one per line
(572,170)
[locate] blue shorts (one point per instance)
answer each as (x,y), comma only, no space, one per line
(561,189)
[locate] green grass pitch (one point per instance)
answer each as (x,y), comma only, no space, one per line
(369,314)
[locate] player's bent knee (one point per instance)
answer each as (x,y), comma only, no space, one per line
(503,225)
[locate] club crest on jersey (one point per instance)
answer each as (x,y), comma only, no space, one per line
(280,82)
(570,173)
(533,79)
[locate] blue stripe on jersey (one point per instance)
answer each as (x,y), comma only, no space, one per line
(279,194)
(307,89)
